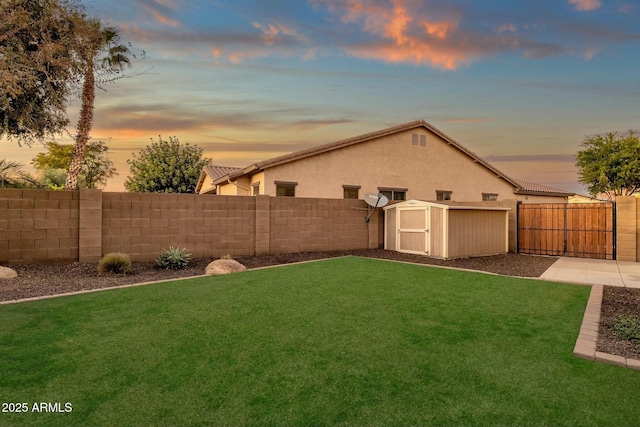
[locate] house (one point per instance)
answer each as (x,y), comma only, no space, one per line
(579,198)
(410,161)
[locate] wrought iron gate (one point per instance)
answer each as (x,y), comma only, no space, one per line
(585,230)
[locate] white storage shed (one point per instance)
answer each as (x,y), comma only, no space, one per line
(446,231)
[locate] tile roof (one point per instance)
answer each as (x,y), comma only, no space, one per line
(526,187)
(216,172)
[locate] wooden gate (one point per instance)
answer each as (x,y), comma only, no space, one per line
(585,230)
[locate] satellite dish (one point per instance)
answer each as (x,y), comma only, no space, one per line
(376,200)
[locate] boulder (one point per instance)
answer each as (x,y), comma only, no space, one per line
(223,266)
(7,273)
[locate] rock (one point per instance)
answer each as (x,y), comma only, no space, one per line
(7,273)
(223,266)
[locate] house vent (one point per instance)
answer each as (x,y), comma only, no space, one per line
(417,139)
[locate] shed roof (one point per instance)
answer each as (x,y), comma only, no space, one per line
(423,203)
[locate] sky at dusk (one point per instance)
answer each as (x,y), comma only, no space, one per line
(518,82)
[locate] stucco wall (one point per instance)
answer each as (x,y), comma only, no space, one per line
(207,184)
(258,179)
(538,199)
(394,162)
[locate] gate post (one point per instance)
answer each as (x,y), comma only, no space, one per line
(627,228)
(518,227)
(614,231)
(564,249)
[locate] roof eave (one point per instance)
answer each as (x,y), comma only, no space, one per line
(221,180)
(542,193)
(209,190)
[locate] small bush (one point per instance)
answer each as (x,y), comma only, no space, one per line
(173,258)
(627,327)
(115,263)
(227,256)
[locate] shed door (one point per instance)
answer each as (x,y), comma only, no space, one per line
(413,230)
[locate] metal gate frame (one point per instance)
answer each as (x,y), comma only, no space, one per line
(565,232)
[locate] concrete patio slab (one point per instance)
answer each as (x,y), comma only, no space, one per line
(630,272)
(594,272)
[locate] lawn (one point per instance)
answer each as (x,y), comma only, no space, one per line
(348,341)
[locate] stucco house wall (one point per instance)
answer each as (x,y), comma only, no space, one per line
(391,162)
(258,180)
(414,157)
(240,186)
(206,184)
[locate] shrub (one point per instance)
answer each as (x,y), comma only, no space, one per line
(627,327)
(115,263)
(173,258)
(227,256)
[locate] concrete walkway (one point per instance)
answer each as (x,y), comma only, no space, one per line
(594,272)
(599,273)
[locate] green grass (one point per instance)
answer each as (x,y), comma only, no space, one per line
(347,341)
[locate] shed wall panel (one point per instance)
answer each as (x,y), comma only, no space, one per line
(390,223)
(437,232)
(476,232)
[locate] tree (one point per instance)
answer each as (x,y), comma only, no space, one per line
(52,179)
(95,169)
(49,50)
(100,53)
(166,167)
(37,66)
(610,164)
(12,176)
(57,156)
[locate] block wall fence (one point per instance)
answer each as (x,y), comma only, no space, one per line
(84,225)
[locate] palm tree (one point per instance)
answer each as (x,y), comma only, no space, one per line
(12,176)
(99,53)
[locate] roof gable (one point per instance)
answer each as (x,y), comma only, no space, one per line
(520,187)
(214,172)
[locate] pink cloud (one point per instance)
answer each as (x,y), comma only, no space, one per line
(406,32)
(274,30)
(273,35)
(586,5)
(162,11)
(439,30)
(504,28)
